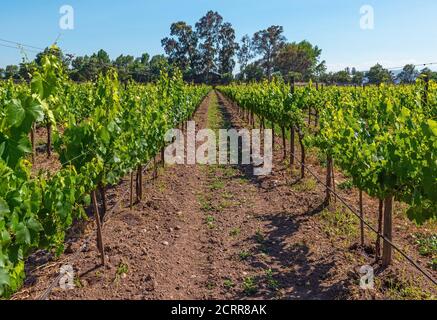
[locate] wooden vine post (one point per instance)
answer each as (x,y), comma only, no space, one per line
(292,145)
(284,143)
(329,166)
(333,181)
(388,228)
(302,151)
(49,139)
(131,200)
(378,239)
(100,244)
(292,130)
(139,184)
(362,218)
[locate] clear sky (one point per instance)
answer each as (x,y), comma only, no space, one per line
(405,31)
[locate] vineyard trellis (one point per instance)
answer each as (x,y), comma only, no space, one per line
(383,137)
(108,131)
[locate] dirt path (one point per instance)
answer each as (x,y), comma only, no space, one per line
(211,232)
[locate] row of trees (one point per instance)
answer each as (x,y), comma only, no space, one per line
(209,52)
(377,75)
(87,68)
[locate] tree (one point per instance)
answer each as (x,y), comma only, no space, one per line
(377,75)
(357,77)
(227,50)
(299,59)
(124,65)
(208,30)
(88,68)
(141,68)
(245,53)
(428,73)
(342,77)
(2,73)
(408,74)
(157,63)
(12,72)
(267,43)
(181,48)
(253,72)
(27,69)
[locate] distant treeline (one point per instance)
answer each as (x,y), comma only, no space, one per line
(209,53)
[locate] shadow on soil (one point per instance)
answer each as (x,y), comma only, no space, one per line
(291,272)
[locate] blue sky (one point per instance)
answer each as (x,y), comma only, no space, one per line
(405,30)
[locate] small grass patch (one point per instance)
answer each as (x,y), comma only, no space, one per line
(340,223)
(228,283)
(250,286)
(77,283)
(305,185)
(217,185)
(271,282)
(402,289)
(346,185)
(244,255)
(235,232)
(122,268)
(210,221)
(224,204)
(210,285)
(427,245)
(205,204)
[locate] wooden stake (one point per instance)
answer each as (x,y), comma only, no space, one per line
(100,245)
(302,156)
(333,181)
(49,140)
(139,184)
(378,239)
(388,227)
(328,179)
(292,145)
(362,218)
(284,143)
(131,202)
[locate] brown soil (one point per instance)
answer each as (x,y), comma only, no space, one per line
(214,232)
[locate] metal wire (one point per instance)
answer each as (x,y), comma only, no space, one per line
(18,48)
(21,44)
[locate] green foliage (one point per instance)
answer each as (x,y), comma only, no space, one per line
(109,131)
(383,137)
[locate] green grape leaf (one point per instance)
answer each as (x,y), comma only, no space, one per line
(22,234)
